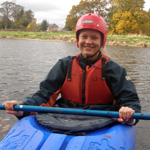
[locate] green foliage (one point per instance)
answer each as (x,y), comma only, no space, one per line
(32,25)
(84,7)
(122,16)
(44,25)
(13,16)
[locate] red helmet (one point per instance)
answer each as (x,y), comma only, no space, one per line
(92,21)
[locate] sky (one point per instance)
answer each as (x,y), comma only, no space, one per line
(54,11)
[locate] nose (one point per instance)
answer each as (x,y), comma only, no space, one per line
(88,40)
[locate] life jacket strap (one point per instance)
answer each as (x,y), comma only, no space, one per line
(70,68)
(103,68)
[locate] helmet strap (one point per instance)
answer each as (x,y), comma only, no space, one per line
(93,54)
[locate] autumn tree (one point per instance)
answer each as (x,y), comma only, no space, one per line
(127,5)
(85,6)
(124,23)
(127,16)
(32,25)
(27,18)
(143,20)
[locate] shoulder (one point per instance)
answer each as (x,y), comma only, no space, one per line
(115,70)
(111,64)
(63,61)
(62,64)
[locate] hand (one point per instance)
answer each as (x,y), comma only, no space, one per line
(125,114)
(9,106)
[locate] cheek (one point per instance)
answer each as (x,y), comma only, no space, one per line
(81,42)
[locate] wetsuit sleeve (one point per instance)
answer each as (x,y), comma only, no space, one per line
(49,85)
(122,87)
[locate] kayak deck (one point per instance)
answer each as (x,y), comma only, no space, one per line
(27,134)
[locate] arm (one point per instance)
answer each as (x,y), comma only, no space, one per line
(50,84)
(123,89)
(48,87)
(10,110)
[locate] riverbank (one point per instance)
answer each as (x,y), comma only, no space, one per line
(117,40)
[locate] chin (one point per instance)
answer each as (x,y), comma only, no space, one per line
(89,54)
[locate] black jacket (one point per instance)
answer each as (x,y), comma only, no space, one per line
(120,84)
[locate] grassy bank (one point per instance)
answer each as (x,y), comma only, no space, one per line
(128,40)
(34,35)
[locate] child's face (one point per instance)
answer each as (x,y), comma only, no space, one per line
(90,42)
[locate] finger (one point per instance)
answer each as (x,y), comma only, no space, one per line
(10,112)
(120,120)
(126,113)
(121,112)
(15,102)
(3,103)
(129,113)
(9,105)
(16,113)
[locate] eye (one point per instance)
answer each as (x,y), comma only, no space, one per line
(95,37)
(83,36)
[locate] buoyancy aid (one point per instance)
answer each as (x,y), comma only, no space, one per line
(87,87)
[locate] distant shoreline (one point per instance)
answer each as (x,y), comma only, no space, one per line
(113,40)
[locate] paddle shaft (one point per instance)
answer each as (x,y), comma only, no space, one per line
(112,114)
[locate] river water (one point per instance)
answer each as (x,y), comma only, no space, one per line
(24,63)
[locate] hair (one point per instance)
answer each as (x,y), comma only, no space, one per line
(104,52)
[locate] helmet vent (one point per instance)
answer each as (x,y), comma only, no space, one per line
(87,21)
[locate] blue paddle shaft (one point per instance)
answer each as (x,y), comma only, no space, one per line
(112,114)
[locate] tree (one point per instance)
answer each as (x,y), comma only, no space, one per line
(44,25)
(72,19)
(85,6)
(32,25)
(9,11)
(143,21)
(100,7)
(4,23)
(127,5)
(124,23)
(127,16)
(14,16)
(17,13)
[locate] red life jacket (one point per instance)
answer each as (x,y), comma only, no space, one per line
(87,85)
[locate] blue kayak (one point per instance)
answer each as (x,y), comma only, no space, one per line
(28,134)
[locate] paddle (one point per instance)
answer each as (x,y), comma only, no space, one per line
(112,114)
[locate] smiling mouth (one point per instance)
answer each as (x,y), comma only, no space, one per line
(88,48)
